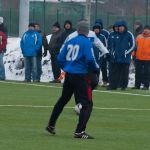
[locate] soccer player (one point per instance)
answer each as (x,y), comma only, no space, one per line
(76,58)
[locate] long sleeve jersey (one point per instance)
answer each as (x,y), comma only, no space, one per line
(76,56)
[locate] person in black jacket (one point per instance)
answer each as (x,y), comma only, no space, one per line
(39,54)
(68,29)
(54,48)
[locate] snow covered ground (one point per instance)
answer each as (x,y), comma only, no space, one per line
(13,61)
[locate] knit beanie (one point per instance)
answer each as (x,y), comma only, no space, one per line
(1,20)
(56,24)
(83,27)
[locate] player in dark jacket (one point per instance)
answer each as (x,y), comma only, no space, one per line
(76,58)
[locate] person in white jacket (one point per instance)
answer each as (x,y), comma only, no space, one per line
(94,39)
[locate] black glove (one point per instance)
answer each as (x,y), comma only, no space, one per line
(107,56)
(45,54)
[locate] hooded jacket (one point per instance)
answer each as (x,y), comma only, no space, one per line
(66,32)
(121,45)
(30,43)
(103,31)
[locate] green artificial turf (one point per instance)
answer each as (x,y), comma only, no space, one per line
(119,121)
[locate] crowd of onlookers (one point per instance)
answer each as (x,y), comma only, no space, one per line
(123,48)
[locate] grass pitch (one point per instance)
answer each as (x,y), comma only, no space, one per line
(119,121)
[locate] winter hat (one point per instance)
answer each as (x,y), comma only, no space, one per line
(83,27)
(147,27)
(97,26)
(100,22)
(56,24)
(31,25)
(1,20)
(68,22)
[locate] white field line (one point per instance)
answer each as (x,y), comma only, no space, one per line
(58,87)
(69,107)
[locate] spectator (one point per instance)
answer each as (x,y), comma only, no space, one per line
(142,63)
(3,42)
(121,47)
(54,48)
(138,28)
(30,43)
(39,53)
(103,31)
(104,62)
(2,26)
(68,29)
(101,61)
(75,59)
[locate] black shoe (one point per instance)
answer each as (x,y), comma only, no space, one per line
(145,88)
(83,135)
(135,88)
(27,81)
(51,129)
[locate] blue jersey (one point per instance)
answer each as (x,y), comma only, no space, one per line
(76,56)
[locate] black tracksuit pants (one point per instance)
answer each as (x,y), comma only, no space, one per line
(103,66)
(55,68)
(119,75)
(142,73)
(79,85)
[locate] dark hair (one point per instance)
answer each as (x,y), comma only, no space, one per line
(147,27)
(37,24)
(31,25)
(56,24)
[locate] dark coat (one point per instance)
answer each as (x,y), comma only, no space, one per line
(121,45)
(55,42)
(44,44)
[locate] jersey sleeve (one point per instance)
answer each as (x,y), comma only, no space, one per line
(97,43)
(89,55)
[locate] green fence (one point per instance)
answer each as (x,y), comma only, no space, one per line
(47,13)
(11,21)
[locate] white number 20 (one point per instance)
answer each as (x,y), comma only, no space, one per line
(73,51)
